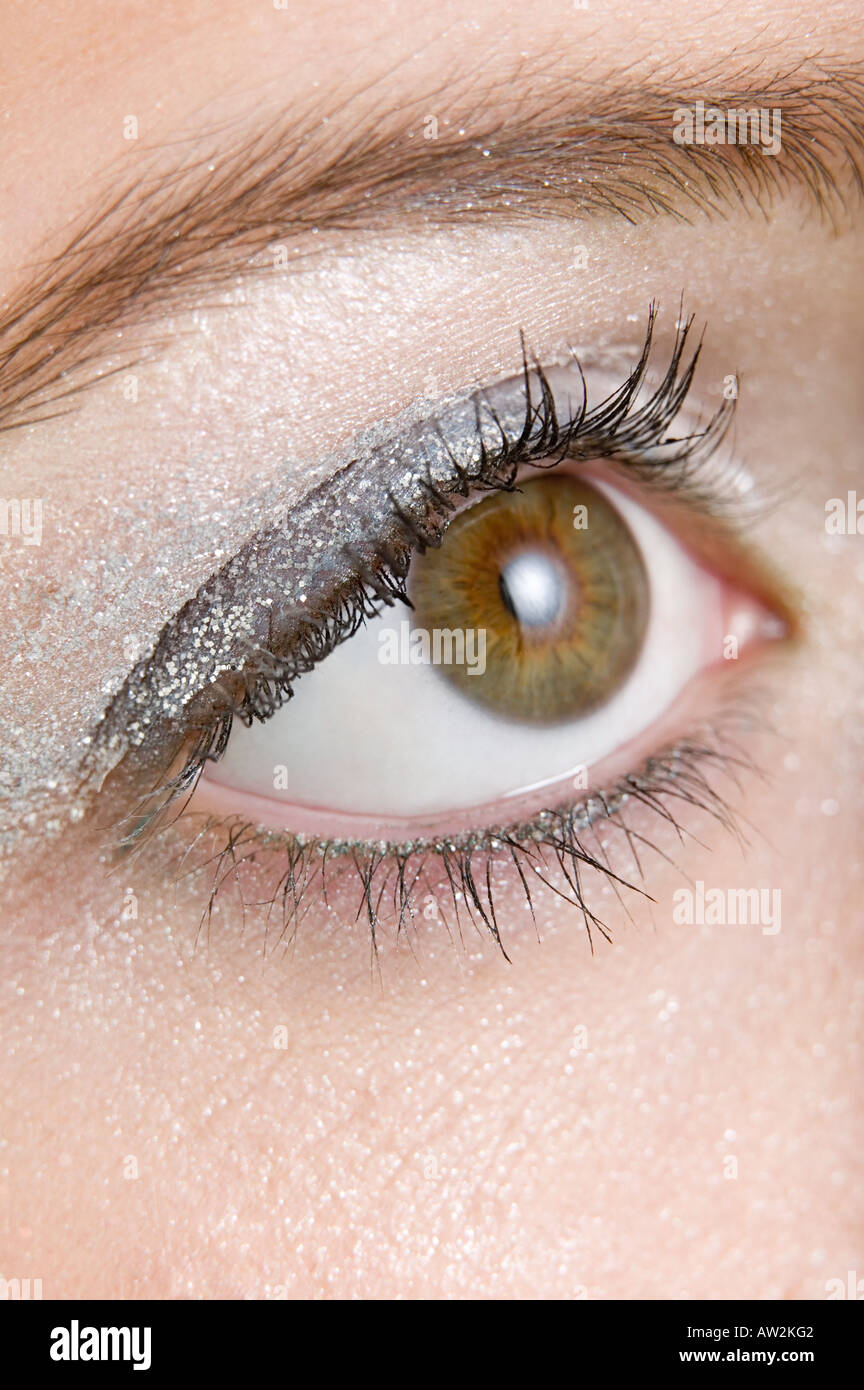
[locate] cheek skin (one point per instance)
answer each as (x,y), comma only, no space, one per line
(448,1124)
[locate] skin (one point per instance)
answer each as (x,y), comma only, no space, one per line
(301,1123)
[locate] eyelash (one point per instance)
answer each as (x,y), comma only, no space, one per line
(619,429)
(564,838)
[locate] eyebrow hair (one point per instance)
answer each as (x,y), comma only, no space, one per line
(170,236)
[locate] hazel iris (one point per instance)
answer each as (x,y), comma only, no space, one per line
(553,577)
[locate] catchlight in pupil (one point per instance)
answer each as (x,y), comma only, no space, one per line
(532,590)
(552,576)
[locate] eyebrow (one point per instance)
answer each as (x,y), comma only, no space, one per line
(168,238)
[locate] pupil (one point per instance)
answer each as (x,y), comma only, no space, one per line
(531,589)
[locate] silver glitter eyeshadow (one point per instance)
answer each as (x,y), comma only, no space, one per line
(287,573)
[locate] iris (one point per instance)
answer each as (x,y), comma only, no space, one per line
(564,604)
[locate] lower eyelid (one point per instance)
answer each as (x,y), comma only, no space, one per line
(309,823)
(303,822)
(609,838)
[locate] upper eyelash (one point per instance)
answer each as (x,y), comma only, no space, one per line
(622,427)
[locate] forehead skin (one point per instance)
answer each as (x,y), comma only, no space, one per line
(466,1128)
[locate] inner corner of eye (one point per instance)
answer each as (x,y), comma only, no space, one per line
(551,635)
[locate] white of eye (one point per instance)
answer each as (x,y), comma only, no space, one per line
(365,738)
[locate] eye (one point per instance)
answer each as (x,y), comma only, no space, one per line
(568,555)
(551,633)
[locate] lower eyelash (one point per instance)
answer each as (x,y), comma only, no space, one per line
(564,842)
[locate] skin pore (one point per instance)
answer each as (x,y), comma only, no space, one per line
(186,1114)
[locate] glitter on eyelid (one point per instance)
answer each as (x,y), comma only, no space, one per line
(334,536)
(314,550)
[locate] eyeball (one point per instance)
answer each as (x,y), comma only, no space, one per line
(555,625)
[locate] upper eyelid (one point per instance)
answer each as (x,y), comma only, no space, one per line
(328,535)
